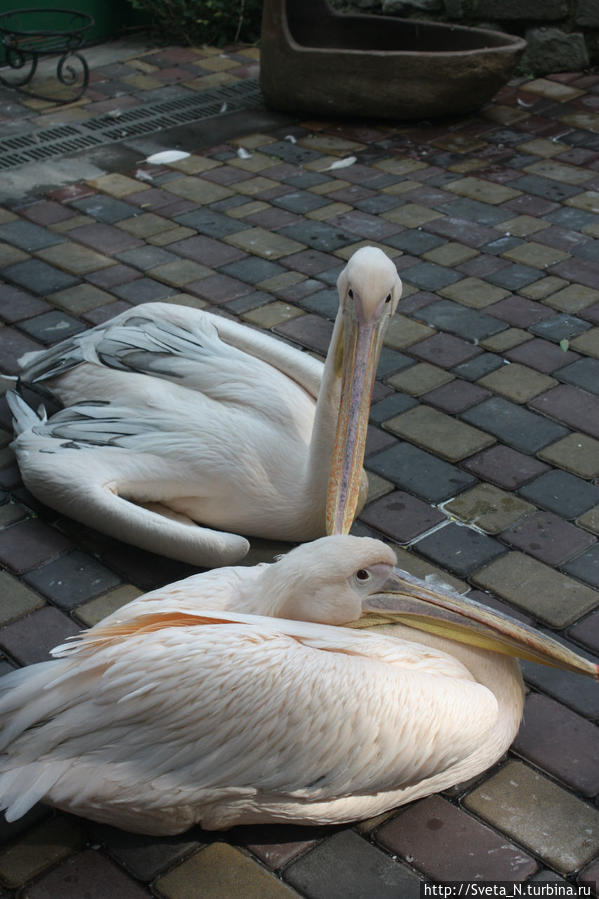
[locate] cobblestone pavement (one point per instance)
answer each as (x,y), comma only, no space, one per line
(483,450)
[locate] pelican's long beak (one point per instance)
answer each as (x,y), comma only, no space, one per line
(407,600)
(356,364)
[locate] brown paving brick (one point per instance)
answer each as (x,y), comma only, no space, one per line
(46,212)
(542,355)
(113,276)
(505,340)
(488,507)
(590,520)
(30,639)
(517,382)
(311,331)
(222,871)
(419,378)
(272,314)
(40,848)
(206,251)
(560,742)
(198,190)
(401,516)
(577,453)
(550,596)
(277,845)
(573,298)
(117,185)
(146,225)
(81,298)
(17,304)
(455,396)
(587,343)
(27,545)
(433,430)
(448,844)
(93,611)
(13,345)
(544,287)
(16,599)
(217,288)
(74,258)
(444,350)
(548,537)
(572,406)
(106,239)
(85,874)
(474,292)
(545,825)
(404,331)
(581,271)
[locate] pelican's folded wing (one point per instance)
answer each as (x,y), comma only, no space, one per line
(225,718)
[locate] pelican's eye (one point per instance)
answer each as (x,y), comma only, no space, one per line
(350,294)
(388,298)
(363,575)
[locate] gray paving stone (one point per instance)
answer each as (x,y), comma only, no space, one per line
(391,405)
(515,276)
(300,201)
(586,566)
(574,691)
(545,187)
(292,153)
(252,269)
(38,276)
(50,327)
(514,425)
(430,276)
(474,211)
(105,209)
(559,327)
(391,361)
(211,222)
(562,493)
(28,236)
(419,472)
(415,241)
(72,579)
(467,323)
(502,245)
(147,257)
(319,235)
(460,549)
(479,367)
(346,866)
(144,290)
(570,217)
(306,179)
(325,302)
(583,373)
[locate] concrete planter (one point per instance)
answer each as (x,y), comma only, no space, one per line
(318,61)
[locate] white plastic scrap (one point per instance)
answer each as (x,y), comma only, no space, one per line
(290,138)
(243,153)
(343,163)
(223,108)
(166,156)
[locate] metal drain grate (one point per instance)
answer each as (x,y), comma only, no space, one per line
(49,142)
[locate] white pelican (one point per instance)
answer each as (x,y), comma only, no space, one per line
(175,416)
(180,709)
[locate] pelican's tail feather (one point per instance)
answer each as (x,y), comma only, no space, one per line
(23,416)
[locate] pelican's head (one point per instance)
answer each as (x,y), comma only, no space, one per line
(369,291)
(345,580)
(327,580)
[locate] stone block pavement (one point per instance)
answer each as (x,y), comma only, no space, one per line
(483,452)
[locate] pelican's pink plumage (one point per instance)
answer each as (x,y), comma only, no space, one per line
(199,703)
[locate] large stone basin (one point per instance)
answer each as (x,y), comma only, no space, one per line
(315,60)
